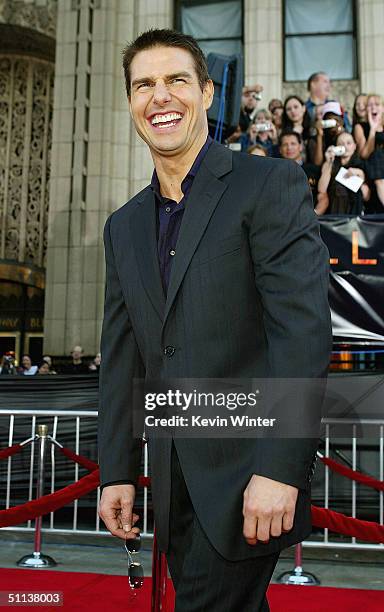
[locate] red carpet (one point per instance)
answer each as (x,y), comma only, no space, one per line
(102,593)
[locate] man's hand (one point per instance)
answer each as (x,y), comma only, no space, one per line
(268,509)
(115,509)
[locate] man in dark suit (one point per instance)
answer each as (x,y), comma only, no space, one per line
(215,270)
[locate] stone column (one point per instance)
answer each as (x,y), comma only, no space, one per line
(371,45)
(150,14)
(98,163)
(263,46)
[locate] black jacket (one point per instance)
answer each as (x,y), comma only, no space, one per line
(247,298)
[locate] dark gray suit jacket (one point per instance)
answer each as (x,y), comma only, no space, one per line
(247,298)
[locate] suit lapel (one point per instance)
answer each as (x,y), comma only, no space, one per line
(145,244)
(205,194)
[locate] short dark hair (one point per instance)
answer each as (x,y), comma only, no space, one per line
(314,77)
(165,38)
(290,133)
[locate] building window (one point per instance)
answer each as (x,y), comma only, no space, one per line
(217,26)
(319,35)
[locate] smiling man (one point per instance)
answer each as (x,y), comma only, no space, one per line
(215,270)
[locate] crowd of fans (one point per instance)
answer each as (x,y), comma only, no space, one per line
(343,158)
(76,365)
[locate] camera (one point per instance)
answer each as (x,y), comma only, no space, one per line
(338,151)
(257,96)
(263,127)
(328,123)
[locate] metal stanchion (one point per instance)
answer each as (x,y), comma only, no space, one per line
(37,559)
(298,576)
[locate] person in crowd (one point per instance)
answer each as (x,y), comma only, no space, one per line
(251,94)
(27,369)
(370,143)
(257,149)
(48,359)
(291,147)
(319,88)
(359,111)
(340,199)
(325,135)
(43,368)
(296,117)
(77,365)
(276,109)
(262,132)
(94,366)
(7,366)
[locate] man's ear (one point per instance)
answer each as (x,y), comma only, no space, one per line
(130,106)
(208,94)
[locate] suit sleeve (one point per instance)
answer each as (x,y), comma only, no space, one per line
(291,266)
(119,451)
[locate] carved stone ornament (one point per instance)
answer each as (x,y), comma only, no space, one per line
(26,104)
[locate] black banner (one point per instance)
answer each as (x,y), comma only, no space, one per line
(356,247)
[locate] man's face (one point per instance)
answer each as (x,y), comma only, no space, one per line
(166,103)
(249,101)
(321,87)
(290,148)
(77,352)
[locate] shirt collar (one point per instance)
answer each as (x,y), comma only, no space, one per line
(155,184)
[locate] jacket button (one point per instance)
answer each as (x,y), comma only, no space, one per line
(169,351)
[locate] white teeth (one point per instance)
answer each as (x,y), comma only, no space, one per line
(165,118)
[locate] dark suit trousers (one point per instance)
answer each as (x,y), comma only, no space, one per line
(204,581)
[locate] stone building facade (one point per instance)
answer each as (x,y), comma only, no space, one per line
(69,155)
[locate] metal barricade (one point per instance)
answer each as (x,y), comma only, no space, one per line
(326,540)
(331,540)
(78,417)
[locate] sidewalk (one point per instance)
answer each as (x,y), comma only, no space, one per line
(338,568)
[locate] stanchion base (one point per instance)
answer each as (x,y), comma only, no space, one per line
(297,576)
(36,560)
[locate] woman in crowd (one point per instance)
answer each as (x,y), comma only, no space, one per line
(359,110)
(334,198)
(370,143)
(27,369)
(296,117)
(325,136)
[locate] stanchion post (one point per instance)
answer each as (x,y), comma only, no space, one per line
(298,576)
(37,559)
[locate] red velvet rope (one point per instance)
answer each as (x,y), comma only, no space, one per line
(80,459)
(369,481)
(9,451)
(346,525)
(49,503)
(321,517)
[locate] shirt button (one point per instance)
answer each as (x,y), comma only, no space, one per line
(168,209)
(172,253)
(169,351)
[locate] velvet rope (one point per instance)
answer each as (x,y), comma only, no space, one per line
(10,450)
(346,525)
(49,503)
(80,459)
(369,481)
